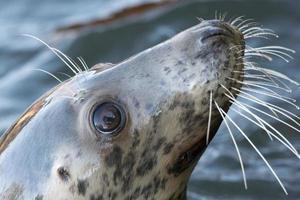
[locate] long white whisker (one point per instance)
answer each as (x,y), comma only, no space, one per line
(286,143)
(246,23)
(65,74)
(236,20)
(263,78)
(259,90)
(82,61)
(49,73)
(273,73)
(258,152)
(254,85)
(262,123)
(235,144)
(56,78)
(276,118)
(273,96)
(270,106)
(268,85)
(235,100)
(209,118)
(49,47)
(73,63)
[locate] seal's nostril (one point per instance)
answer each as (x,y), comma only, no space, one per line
(215,32)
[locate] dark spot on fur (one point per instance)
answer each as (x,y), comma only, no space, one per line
(63,173)
(167,70)
(182,71)
(147,190)
(179,62)
(159,183)
(136,139)
(112,195)
(128,176)
(159,143)
(67,156)
(115,157)
(39,197)
(146,164)
(168,148)
(134,195)
(136,103)
(96,197)
(105,179)
(202,54)
(82,186)
(156,120)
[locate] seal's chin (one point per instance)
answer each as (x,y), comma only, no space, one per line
(189,156)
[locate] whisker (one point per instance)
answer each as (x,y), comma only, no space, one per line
(258,54)
(282,98)
(56,78)
(235,145)
(236,20)
(65,74)
(260,91)
(276,118)
(84,64)
(262,77)
(73,63)
(49,73)
(277,51)
(259,101)
(246,23)
(253,85)
(251,29)
(223,17)
(209,118)
(262,124)
(268,85)
(49,47)
(258,152)
(273,73)
(276,109)
(233,98)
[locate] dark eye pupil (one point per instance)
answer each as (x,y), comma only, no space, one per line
(108,118)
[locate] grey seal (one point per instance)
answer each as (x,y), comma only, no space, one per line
(133,130)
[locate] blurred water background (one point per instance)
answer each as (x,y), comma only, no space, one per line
(218,174)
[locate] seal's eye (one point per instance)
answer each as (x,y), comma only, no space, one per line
(109,118)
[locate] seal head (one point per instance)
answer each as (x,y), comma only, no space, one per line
(134,130)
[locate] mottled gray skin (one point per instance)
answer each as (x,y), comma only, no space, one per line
(54,152)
